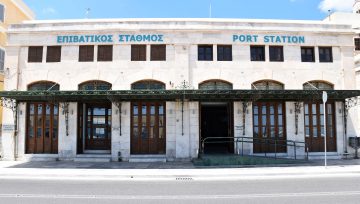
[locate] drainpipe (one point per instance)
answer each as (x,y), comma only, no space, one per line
(345,115)
(15,110)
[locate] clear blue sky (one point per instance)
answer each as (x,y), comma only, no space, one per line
(270,9)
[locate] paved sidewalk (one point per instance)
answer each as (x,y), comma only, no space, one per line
(155,165)
(170,171)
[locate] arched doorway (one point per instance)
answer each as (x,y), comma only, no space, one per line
(42,122)
(216,120)
(314,120)
(148,121)
(95,121)
(269,119)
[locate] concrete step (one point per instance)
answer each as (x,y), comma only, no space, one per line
(93,158)
(40,157)
(147,158)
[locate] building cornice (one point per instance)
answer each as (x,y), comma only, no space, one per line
(108,25)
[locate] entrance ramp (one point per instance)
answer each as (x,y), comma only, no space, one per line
(147,158)
(238,160)
(269,147)
(93,158)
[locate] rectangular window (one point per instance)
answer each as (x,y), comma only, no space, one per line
(86,53)
(276,53)
(105,53)
(307,54)
(205,52)
(325,54)
(257,53)
(357,44)
(35,54)
(2,60)
(158,53)
(53,54)
(138,52)
(224,53)
(2,13)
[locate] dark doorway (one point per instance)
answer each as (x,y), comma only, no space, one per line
(216,121)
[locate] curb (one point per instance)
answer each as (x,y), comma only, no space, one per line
(180,174)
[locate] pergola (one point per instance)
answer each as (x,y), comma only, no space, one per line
(11,99)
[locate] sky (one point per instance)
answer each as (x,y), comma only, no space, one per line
(253,9)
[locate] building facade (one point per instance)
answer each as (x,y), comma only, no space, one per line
(11,11)
(175,88)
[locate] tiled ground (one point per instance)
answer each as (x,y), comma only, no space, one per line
(167,165)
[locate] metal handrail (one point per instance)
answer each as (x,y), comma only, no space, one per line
(267,141)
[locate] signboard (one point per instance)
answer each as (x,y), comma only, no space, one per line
(160,38)
(324,96)
(61,39)
(280,39)
(8,128)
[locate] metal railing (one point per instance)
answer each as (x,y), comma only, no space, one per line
(268,142)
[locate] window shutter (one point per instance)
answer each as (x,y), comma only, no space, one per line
(35,54)
(104,53)
(2,13)
(53,54)
(86,53)
(2,60)
(134,53)
(143,53)
(158,53)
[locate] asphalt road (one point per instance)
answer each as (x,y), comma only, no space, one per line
(343,190)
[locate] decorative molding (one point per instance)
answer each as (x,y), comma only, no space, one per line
(118,104)
(8,103)
(65,108)
(298,105)
(184,85)
(352,102)
(245,107)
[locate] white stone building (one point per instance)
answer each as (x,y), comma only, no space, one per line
(156,88)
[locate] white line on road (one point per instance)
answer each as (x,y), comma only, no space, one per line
(182,197)
(173,177)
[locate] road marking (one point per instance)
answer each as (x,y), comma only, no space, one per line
(174,177)
(181,197)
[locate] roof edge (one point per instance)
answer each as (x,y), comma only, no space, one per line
(24,8)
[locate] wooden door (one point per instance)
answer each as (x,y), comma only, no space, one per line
(98,127)
(269,127)
(314,127)
(148,128)
(42,128)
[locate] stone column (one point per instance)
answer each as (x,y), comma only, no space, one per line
(7,137)
(194,118)
(339,122)
(21,148)
(170,131)
(182,131)
(121,142)
(68,140)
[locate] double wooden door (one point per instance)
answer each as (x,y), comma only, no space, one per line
(315,127)
(269,127)
(98,127)
(42,128)
(148,134)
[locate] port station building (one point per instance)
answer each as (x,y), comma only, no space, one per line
(173,89)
